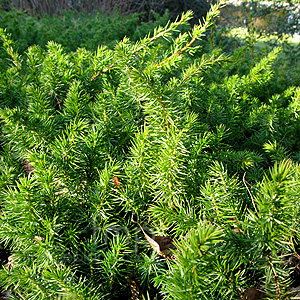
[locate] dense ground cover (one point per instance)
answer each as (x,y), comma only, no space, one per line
(73,30)
(193,136)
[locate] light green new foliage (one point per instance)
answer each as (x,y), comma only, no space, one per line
(211,259)
(202,270)
(74,123)
(162,132)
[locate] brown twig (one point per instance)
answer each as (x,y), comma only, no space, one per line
(252,199)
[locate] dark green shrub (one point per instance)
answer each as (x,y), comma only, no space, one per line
(147,8)
(74,30)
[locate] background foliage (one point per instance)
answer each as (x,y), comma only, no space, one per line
(73,30)
(147,8)
(173,131)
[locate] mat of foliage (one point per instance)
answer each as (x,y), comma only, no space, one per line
(72,29)
(200,148)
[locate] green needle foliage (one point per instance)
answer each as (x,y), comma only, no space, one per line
(214,260)
(167,131)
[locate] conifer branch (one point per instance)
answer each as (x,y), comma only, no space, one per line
(7,45)
(159,32)
(205,63)
(252,199)
(198,31)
